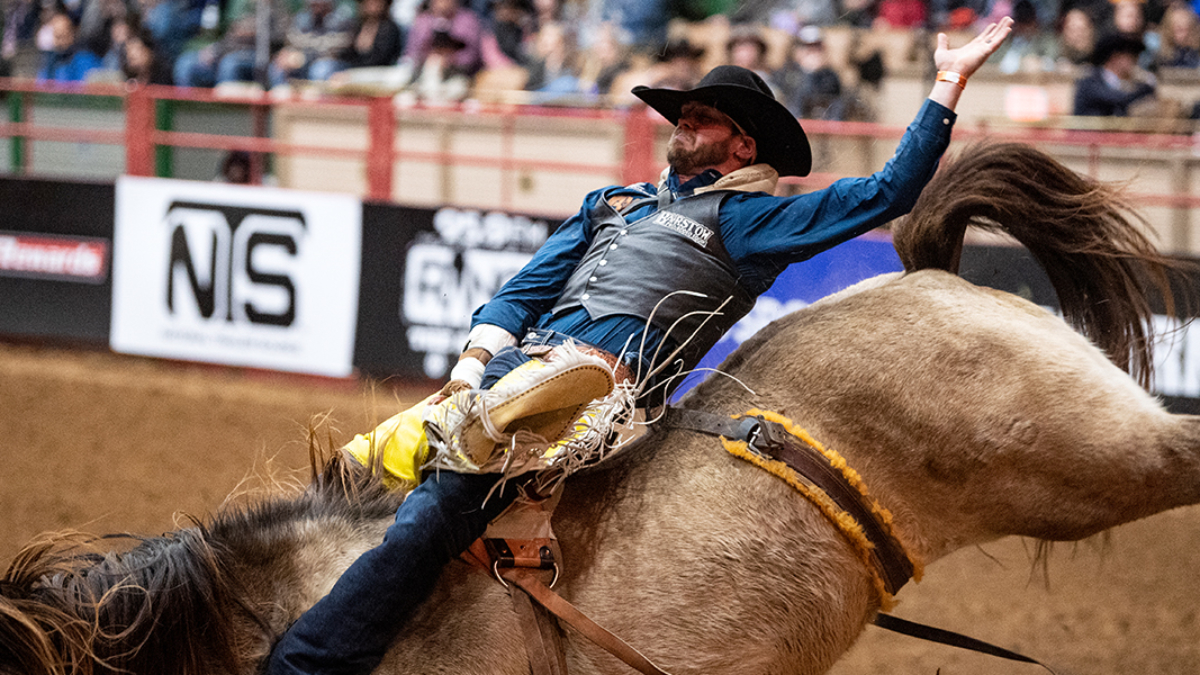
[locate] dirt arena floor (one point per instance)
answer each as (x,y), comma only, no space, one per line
(104,444)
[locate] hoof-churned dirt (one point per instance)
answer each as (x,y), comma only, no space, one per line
(102,443)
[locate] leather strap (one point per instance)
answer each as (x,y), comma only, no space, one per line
(771,439)
(543,642)
(528,581)
(738,429)
(947,637)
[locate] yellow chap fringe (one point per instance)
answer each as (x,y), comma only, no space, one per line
(844,522)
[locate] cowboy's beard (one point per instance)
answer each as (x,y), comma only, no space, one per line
(689,162)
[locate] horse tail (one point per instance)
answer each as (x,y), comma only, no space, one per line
(1084,234)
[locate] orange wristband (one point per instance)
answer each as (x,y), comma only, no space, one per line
(953,78)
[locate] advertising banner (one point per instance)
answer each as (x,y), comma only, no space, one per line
(55,253)
(237,275)
(424,273)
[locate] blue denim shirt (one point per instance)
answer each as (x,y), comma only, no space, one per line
(762,233)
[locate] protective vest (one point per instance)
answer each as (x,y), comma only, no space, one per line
(631,267)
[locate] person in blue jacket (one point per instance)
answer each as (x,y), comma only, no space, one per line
(711,226)
(67,60)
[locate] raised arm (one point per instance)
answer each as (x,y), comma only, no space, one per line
(956,65)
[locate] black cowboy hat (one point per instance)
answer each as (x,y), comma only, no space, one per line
(744,97)
(1116,43)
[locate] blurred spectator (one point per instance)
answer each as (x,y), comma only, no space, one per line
(807,12)
(8,45)
(900,14)
(955,15)
(1028,48)
(96,25)
(1077,38)
(549,11)
(314,43)
(678,66)
(858,13)
(440,78)
(644,21)
(66,60)
(808,86)
(1117,82)
(601,65)
(235,168)
(1180,34)
(376,39)
(452,19)
(232,58)
(554,66)
(172,23)
(1129,18)
(786,15)
(1099,11)
(19,20)
(512,24)
(747,48)
(119,30)
(141,62)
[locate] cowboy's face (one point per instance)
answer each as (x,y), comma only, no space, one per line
(700,123)
(704,137)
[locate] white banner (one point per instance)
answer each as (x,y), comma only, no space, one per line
(236,275)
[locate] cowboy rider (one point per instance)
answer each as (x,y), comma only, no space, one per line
(712,225)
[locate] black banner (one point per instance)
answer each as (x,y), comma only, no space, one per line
(424,272)
(56,259)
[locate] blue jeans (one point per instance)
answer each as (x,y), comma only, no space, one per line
(348,631)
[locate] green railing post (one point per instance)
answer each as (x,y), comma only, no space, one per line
(164,155)
(16,115)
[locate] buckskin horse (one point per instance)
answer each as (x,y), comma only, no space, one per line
(968,413)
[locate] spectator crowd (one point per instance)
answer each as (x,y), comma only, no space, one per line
(584,51)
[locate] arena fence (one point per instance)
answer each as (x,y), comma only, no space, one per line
(532,159)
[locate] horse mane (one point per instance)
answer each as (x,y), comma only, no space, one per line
(72,605)
(1084,233)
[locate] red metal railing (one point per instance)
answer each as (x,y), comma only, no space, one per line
(638,162)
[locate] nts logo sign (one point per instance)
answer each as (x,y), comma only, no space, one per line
(233,263)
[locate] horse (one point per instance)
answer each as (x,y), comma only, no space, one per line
(970,414)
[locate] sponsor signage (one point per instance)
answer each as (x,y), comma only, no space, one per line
(55,258)
(424,274)
(244,276)
(61,258)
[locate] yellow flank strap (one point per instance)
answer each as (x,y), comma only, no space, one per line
(844,522)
